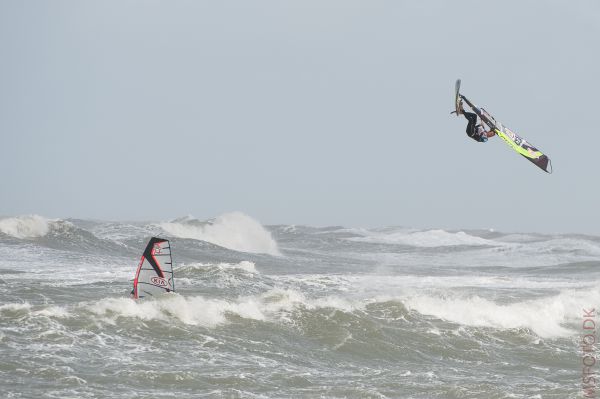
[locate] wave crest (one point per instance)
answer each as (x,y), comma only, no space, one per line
(29,226)
(246,266)
(428,238)
(234,230)
(275,304)
(548,317)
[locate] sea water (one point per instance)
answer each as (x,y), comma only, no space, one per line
(293,311)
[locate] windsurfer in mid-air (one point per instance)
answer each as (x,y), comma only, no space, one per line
(475,130)
(479,121)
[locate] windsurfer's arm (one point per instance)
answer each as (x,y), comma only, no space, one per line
(486,130)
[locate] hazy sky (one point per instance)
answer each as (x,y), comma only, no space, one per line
(307,112)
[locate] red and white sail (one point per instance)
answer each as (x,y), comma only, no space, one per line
(154,274)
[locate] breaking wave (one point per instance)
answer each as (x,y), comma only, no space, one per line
(273,305)
(28,226)
(548,317)
(234,230)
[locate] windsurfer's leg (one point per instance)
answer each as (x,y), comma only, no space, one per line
(472,118)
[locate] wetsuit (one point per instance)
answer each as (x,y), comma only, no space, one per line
(474,131)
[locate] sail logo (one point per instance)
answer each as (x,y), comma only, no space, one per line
(161,282)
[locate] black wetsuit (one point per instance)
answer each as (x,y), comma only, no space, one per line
(473,129)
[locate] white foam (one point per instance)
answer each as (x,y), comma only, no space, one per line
(14,307)
(234,230)
(389,284)
(570,245)
(123,231)
(50,311)
(53,311)
(451,298)
(207,313)
(273,305)
(244,265)
(29,226)
(548,317)
(429,238)
(336,302)
(188,310)
(514,255)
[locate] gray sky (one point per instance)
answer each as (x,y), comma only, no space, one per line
(308,112)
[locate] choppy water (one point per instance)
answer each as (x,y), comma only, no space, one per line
(292,311)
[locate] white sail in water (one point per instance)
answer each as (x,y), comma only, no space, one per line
(154,274)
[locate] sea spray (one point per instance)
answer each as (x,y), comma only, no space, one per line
(234,230)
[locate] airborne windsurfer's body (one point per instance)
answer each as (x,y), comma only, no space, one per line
(475,130)
(480,120)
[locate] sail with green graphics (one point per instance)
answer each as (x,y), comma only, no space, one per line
(514,141)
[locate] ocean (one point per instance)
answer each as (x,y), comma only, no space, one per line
(290,311)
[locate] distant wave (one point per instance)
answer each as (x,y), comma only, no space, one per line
(244,265)
(234,230)
(577,245)
(29,226)
(57,234)
(428,238)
